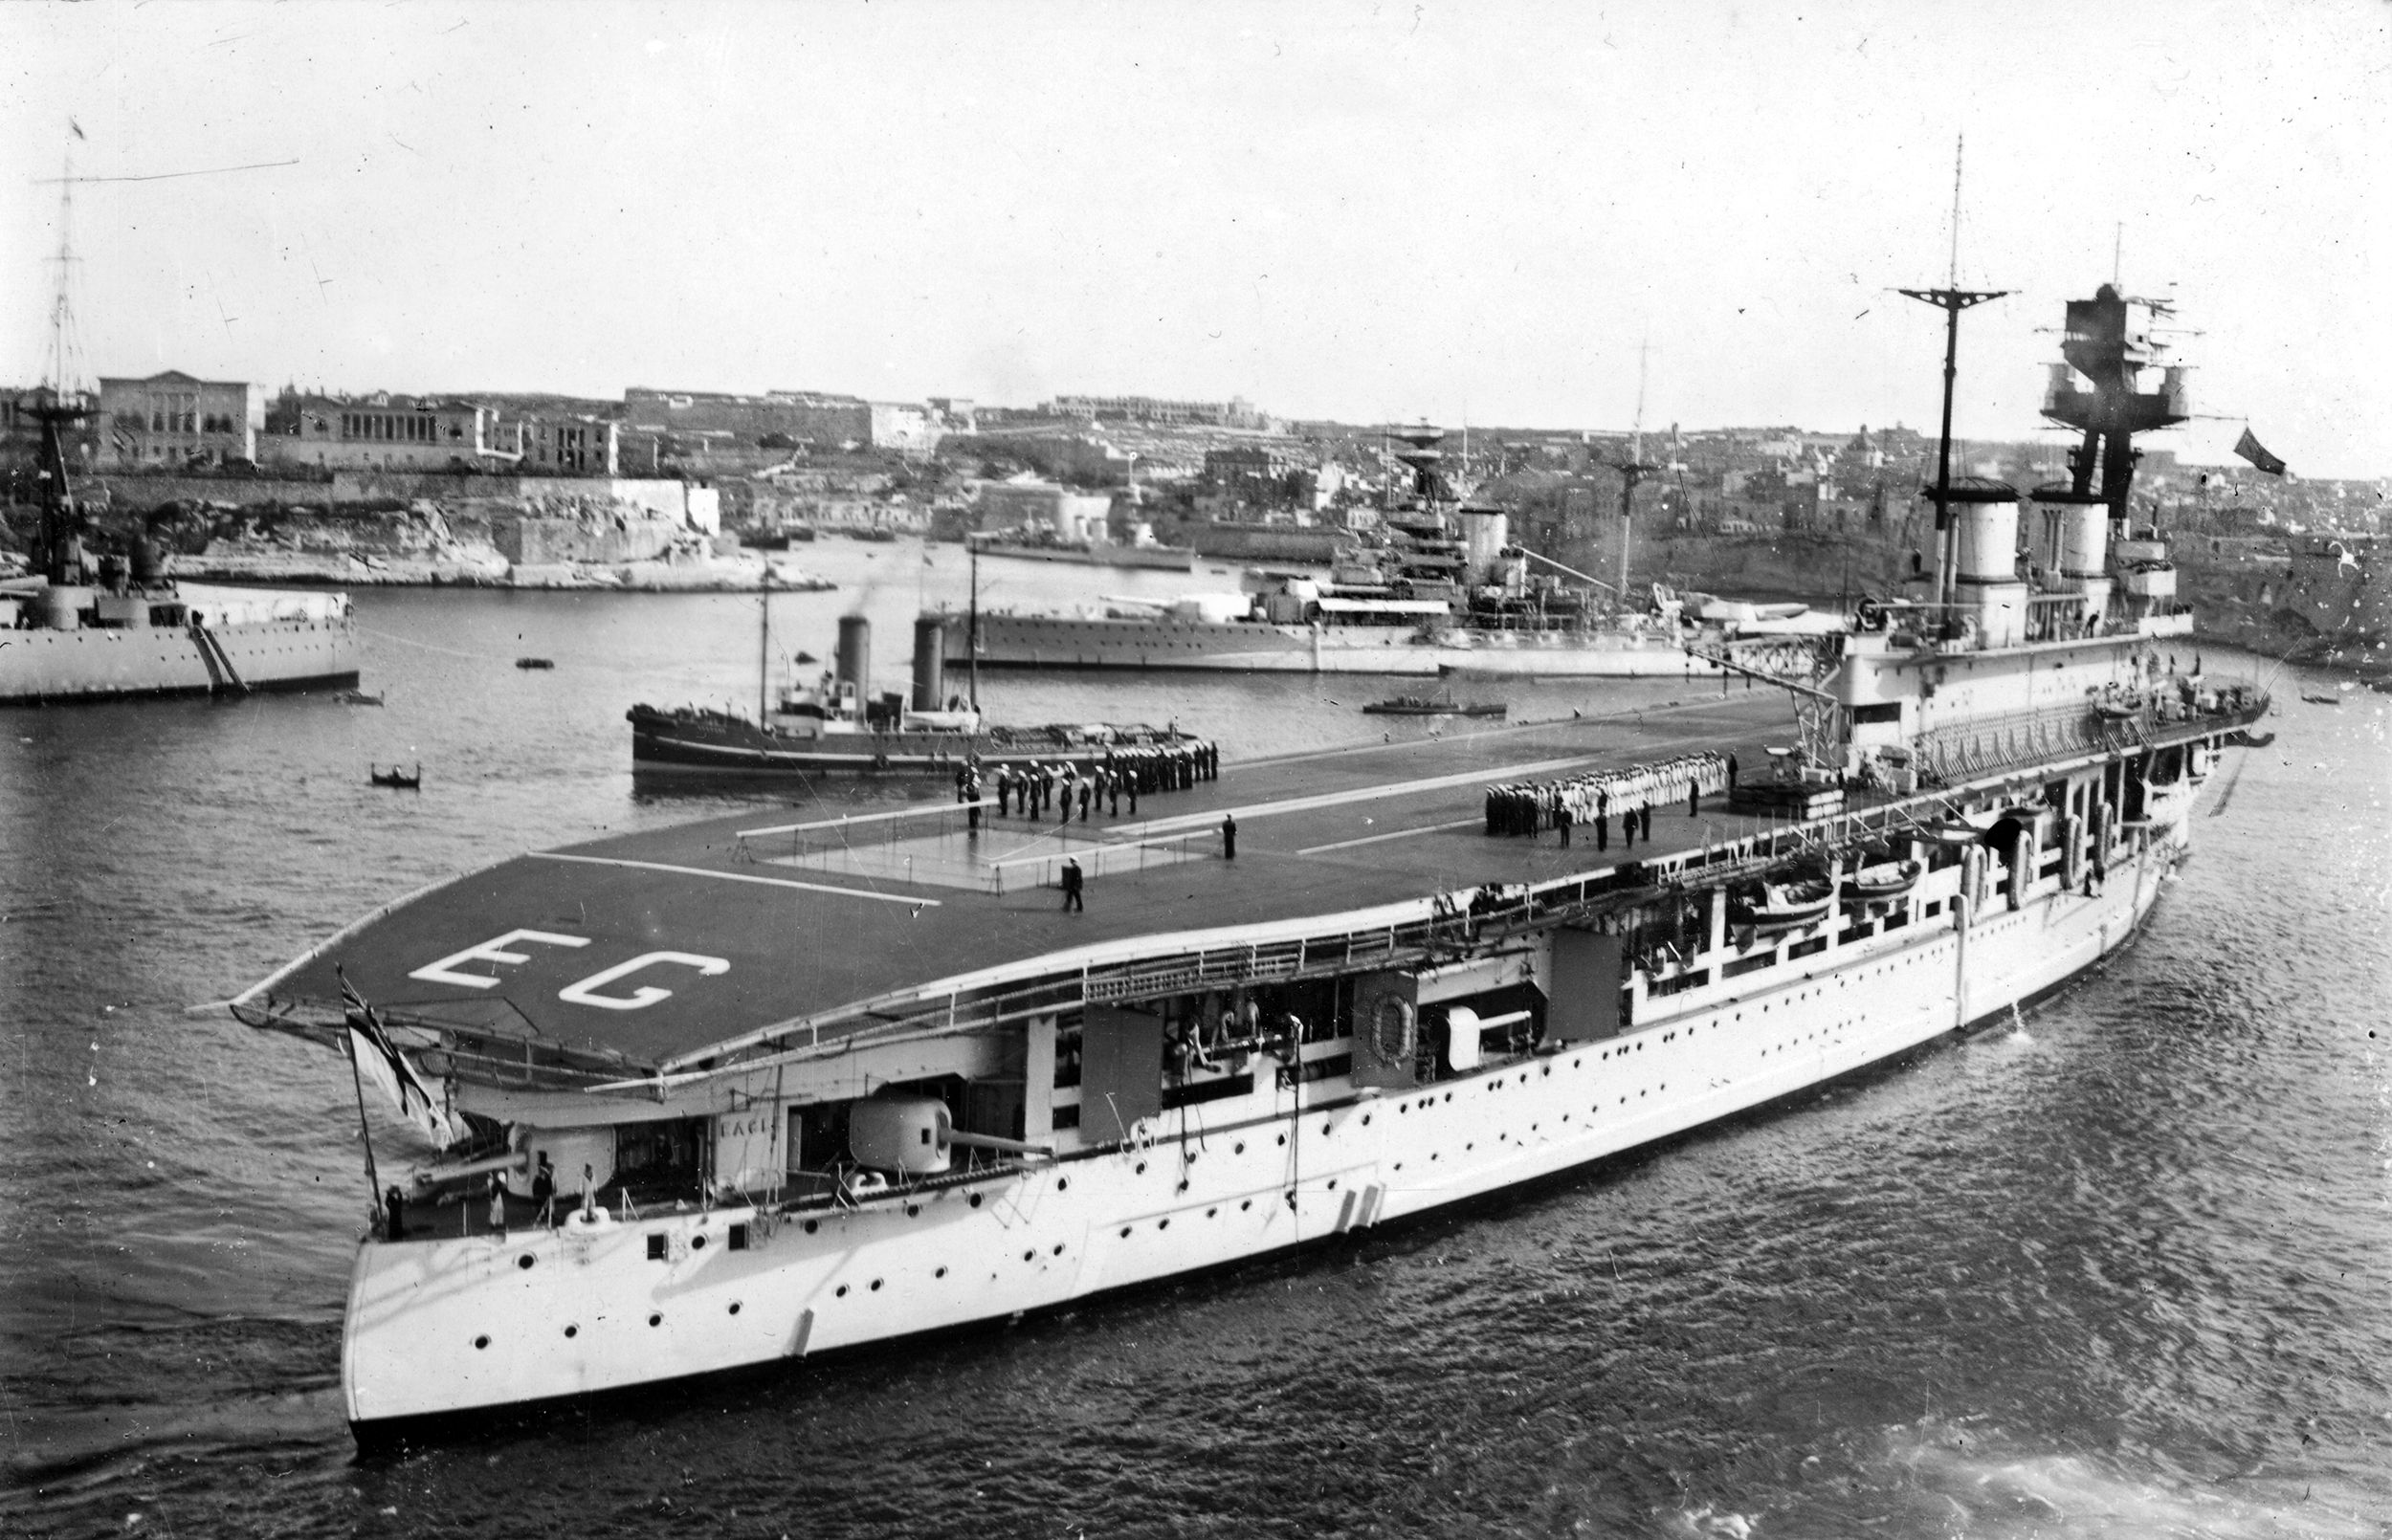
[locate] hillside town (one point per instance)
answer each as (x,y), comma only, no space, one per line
(663,487)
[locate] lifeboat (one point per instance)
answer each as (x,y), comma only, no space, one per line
(1784,907)
(1882,885)
(2118,705)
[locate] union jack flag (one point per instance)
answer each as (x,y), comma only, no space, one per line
(380,1060)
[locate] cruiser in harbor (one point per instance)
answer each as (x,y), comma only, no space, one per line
(787,1090)
(95,627)
(1444,592)
(89,623)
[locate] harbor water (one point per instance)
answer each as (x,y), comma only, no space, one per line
(2119,1267)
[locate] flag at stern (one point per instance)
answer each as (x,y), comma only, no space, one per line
(380,1060)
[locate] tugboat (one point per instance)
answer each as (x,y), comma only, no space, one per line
(822,1086)
(835,725)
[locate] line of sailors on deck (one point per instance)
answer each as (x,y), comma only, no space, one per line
(1515,808)
(1132,770)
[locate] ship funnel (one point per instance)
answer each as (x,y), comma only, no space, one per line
(854,662)
(930,662)
(1487,530)
(1985,584)
(2075,545)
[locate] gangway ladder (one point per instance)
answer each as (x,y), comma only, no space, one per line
(221,674)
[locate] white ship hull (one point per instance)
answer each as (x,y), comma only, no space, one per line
(1251,647)
(94,664)
(444,1327)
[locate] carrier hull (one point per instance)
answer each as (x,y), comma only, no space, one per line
(436,1329)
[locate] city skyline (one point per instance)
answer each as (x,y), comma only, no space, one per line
(1358,213)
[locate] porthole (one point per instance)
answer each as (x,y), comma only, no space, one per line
(1183,1184)
(1366,1120)
(654,1319)
(481,1343)
(939,1272)
(876,1288)
(1163,1224)
(1141,1168)
(1026,1256)
(1283,1138)
(697,1242)
(735,1304)
(1058,1249)
(811,1226)
(1063,1184)
(1249,1203)
(1126,1232)
(1210,1212)
(975,1199)
(1578,1064)
(842,1292)
(524,1261)
(912,1209)
(1241,1148)
(572,1330)
(1333,1184)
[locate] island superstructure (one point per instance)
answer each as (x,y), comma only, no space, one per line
(839,1079)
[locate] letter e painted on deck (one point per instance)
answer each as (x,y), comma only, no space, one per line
(444,972)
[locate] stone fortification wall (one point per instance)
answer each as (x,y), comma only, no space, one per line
(536,541)
(668,498)
(140,494)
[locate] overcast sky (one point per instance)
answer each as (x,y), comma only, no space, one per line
(1355,210)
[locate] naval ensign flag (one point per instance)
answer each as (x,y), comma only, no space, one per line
(379,1060)
(2247,447)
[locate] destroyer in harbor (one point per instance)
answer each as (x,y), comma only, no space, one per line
(798,1085)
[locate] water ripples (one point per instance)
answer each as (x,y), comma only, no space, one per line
(2117,1269)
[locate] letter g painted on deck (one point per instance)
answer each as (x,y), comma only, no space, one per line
(585,992)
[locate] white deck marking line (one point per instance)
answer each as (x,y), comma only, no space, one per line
(920,810)
(1370,793)
(1399,834)
(907,899)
